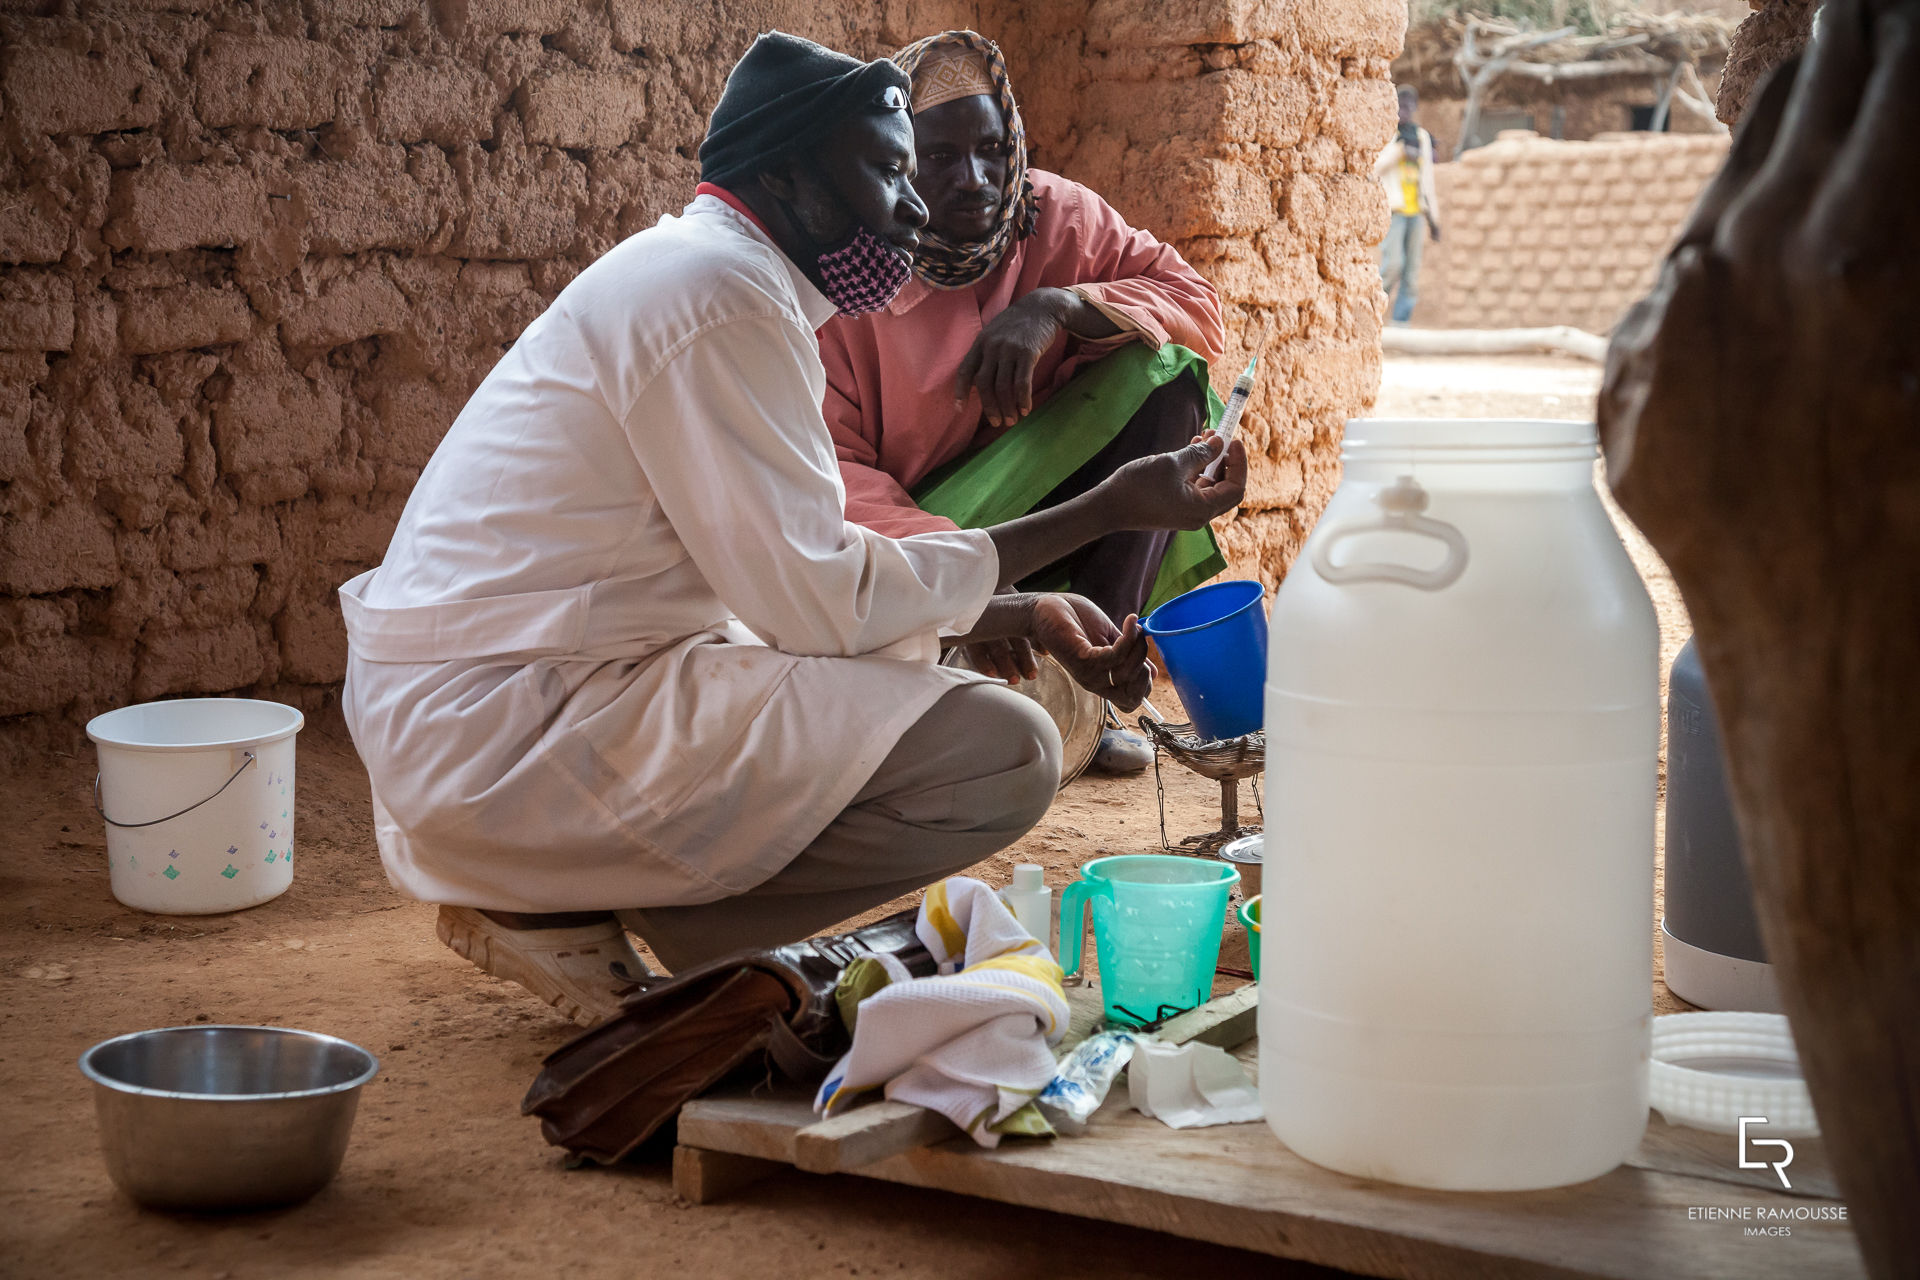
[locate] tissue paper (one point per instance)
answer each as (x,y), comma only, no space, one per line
(1189,1086)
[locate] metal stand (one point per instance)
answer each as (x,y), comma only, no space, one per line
(1225,760)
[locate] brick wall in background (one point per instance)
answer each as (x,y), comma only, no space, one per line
(255,254)
(1539,232)
(1245,131)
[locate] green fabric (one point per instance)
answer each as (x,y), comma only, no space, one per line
(1009,477)
(861,978)
(1026,1122)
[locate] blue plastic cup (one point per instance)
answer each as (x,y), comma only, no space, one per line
(1157,925)
(1214,642)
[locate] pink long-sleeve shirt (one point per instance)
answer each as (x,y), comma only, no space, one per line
(889,400)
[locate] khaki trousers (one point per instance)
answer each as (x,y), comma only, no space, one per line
(972,775)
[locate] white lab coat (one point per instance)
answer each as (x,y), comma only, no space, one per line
(625,649)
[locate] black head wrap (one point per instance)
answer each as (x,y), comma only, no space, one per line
(786,94)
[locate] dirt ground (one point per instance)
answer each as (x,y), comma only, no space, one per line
(444,1177)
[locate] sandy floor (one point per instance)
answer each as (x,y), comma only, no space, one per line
(444,1177)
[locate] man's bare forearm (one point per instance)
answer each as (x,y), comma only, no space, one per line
(1084,320)
(1032,542)
(1008,616)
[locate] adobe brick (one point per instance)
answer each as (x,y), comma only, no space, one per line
(442,105)
(372,13)
(312,637)
(378,202)
(36,311)
(49,669)
(281,82)
(27,232)
(275,421)
(586,109)
(412,415)
(357,306)
(57,91)
(210,661)
(66,546)
(208,541)
(496,17)
(187,316)
(165,207)
(522,211)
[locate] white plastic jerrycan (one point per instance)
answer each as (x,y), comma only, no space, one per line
(1462,717)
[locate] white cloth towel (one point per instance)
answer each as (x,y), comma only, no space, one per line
(973,1042)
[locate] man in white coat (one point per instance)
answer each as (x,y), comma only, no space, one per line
(626,662)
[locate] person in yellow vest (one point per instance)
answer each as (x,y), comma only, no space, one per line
(1405,171)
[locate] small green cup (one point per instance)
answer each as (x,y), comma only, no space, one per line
(1157,924)
(1250,917)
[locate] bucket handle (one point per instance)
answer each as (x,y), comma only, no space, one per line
(1400,504)
(170,817)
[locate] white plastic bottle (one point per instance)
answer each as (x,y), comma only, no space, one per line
(1031,901)
(1462,726)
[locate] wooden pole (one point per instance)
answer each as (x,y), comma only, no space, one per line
(1663,111)
(1479,70)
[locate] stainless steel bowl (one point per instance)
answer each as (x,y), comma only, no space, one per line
(225,1117)
(1248,854)
(1079,714)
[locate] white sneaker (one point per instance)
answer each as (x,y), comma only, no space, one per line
(567,968)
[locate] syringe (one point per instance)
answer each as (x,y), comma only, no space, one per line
(1230,418)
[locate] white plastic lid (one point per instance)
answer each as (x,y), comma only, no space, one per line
(1029,876)
(1246,849)
(1710,1069)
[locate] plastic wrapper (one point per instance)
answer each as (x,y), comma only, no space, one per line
(1084,1076)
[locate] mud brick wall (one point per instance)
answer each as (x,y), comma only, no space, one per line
(1767,37)
(254,256)
(1538,232)
(1245,132)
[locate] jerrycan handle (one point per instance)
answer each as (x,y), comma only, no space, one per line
(1401,504)
(1073,924)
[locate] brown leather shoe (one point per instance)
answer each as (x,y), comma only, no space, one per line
(568,968)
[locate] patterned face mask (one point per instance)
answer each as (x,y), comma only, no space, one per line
(861,273)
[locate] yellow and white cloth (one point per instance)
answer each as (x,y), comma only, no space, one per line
(974,1041)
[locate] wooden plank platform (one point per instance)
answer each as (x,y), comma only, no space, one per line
(1238,1185)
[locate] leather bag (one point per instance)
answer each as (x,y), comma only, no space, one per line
(604,1092)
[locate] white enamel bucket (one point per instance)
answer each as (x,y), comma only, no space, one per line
(197,795)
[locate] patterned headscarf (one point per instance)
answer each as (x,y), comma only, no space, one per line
(945,67)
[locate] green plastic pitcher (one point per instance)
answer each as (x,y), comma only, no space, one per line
(1157,923)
